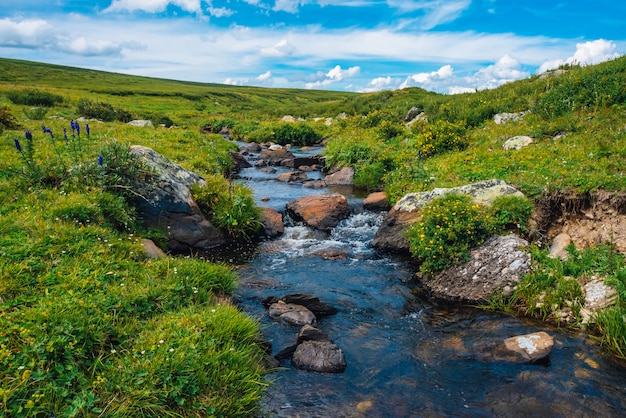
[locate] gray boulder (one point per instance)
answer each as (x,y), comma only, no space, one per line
(166,203)
(343,177)
(291,314)
(496,266)
(319,356)
(517,142)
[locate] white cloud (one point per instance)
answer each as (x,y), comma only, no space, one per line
(220,11)
(26,33)
(441,74)
(280,49)
(378,84)
(81,46)
(587,53)
(289,6)
(333,76)
(265,76)
(435,12)
(153,6)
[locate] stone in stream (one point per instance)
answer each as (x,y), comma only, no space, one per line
(531,348)
(312,303)
(319,356)
(323,212)
(291,314)
(376,202)
(272,225)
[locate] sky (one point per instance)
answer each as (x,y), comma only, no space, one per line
(446,46)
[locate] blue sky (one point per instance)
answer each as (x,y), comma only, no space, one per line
(448,46)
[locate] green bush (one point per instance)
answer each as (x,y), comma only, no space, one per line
(34,97)
(35,113)
(511,212)
(450,227)
(7,120)
(230,206)
(436,137)
(286,133)
(102,111)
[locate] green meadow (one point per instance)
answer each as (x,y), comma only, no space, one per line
(89,326)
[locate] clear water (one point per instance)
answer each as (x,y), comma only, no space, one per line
(407,356)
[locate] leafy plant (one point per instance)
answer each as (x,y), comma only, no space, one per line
(509,211)
(34,97)
(450,227)
(230,205)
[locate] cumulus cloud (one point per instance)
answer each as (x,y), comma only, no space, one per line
(587,53)
(153,6)
(280,49)
(378,84)
(428,80)
(81,46)
(333,76)
(26,33)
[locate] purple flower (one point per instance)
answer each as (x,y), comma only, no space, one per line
(17,145)
(28,135)
(87,128)
(77,128)
(100,160)
(65,135)
(73,126)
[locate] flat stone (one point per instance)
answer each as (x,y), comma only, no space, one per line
(291,314)
(532,348)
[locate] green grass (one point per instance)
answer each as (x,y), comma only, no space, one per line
(89,327)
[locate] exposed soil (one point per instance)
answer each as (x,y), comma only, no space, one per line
(589,219)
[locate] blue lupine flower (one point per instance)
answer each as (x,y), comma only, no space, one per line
(87,128)
(65,135)
(100,160)
(28,135)
(77,128)
(73,126)
(17,145)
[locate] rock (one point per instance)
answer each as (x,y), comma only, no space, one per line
(310,333)
(343,177)
(275,156)
(391,234)
(311,302)
(322,212)
(517,142)
(252,147)
(559,246)
(314,184)
(332,253)
(141,123)
(291,177)
(272,225)
(501,118)
(313,160)
(151,249)
(412,113)
(598,296)
(288,118)
(167,204)
(291,314)
(268,170)
(239,161)
(531,348)
(319,356)
(376,202)
(496,266)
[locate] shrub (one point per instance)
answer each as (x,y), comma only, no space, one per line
(230,206)
(511,212)
(450,227)
(7,120)
(286,133)
(34,97)
(102,111)
(35,113)
(432,138)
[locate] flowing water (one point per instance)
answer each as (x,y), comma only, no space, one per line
(407,356)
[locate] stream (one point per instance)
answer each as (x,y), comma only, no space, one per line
(407,356)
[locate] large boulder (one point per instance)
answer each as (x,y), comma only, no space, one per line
(291,314)
(376,202)
(322,212)
(517,142)
(497,266)
(391,234)
(166,203)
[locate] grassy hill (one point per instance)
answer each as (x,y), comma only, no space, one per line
(89,326)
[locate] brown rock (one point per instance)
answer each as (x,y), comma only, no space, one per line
(343,177)
(271,223)
(376,202)
(292,176)
(531,348)
(276,156)
(151,249)
(391,235)
(322,212)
